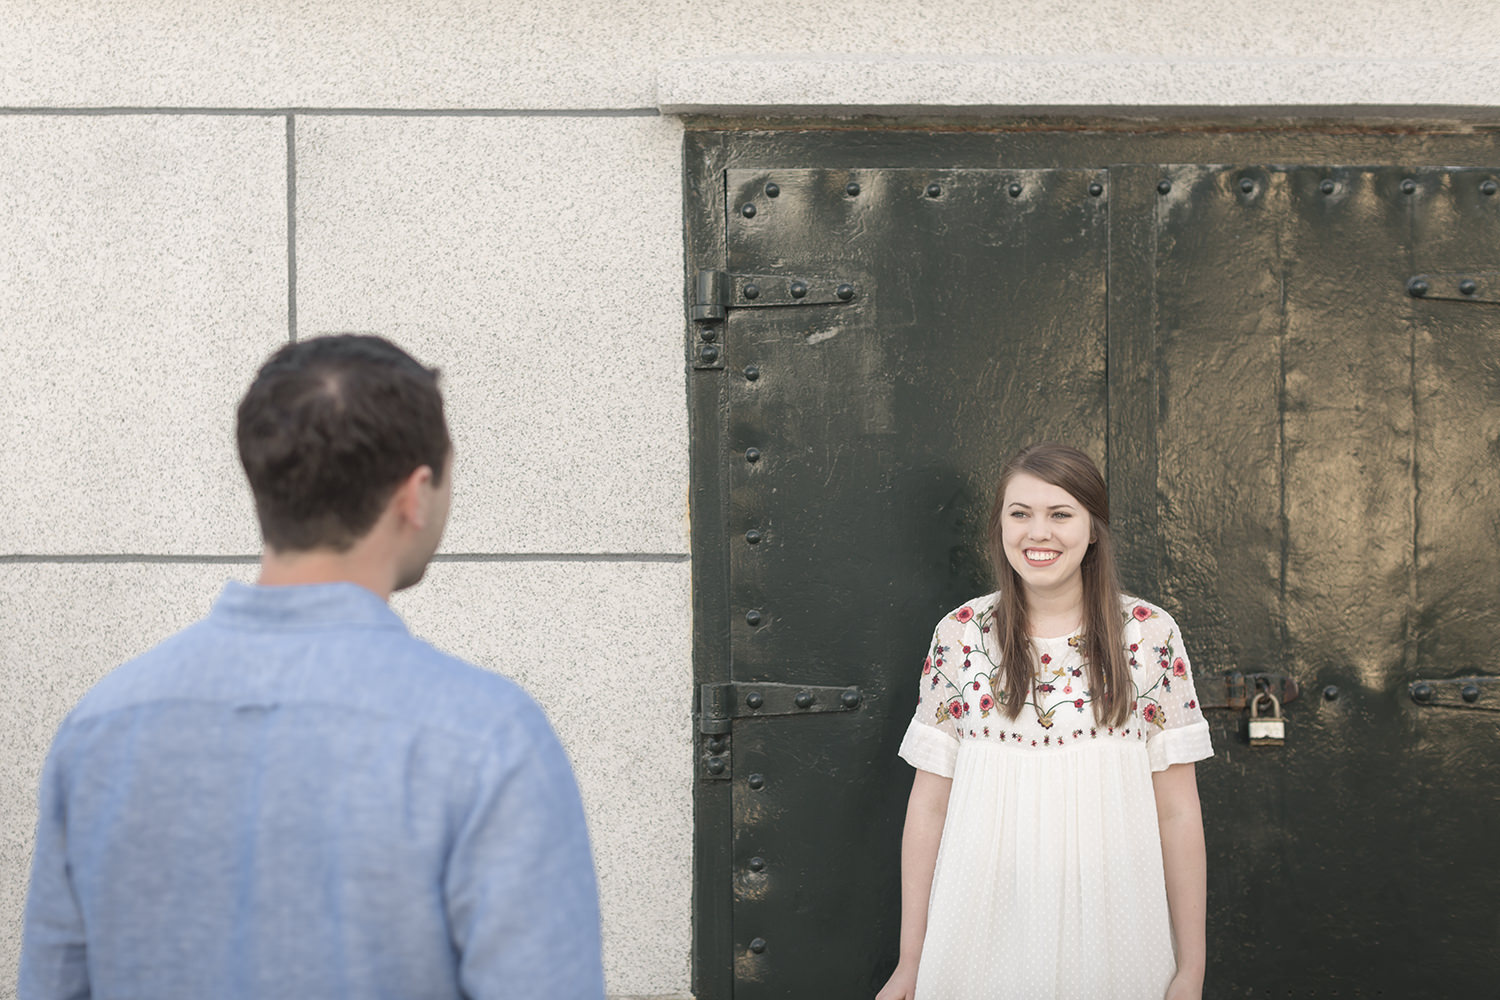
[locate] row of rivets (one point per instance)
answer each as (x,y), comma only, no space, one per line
(798,290)
(1164,187)
(934,190)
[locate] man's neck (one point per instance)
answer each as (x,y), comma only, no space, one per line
(290,569)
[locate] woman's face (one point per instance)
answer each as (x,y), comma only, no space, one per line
(1046,533)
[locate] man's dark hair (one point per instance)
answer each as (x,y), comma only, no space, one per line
(327,431)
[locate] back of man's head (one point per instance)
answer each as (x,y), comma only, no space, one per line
(328,430)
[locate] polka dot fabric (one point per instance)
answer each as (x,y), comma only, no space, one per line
(1049,876)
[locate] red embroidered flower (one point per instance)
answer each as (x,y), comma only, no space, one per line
(1078,704)
(985,703)
(1046,658)
(1141,613)
(1148,713)
(964,614)
(927,665)
(1193,703)
(1134,646)
(1045,689)
(955,708)
(967,650)
(1179,667)
(976,685)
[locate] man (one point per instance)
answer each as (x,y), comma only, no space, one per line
(295,798)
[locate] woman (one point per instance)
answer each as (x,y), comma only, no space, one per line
(1053,845)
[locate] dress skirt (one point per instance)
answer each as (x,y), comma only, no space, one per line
(1049,878)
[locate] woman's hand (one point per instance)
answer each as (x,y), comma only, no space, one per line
(1185,987)
(903,984)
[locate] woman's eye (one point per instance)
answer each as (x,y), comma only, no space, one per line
(1018,513)
(1062,514)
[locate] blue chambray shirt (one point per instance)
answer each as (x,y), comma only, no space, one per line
(296,798)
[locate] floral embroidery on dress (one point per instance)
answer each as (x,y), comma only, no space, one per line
(957,689)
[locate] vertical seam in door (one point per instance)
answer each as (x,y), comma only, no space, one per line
(1281,403)
(1409,654)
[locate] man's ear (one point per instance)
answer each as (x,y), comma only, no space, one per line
(412,499)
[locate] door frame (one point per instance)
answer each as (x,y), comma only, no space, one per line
(710,148)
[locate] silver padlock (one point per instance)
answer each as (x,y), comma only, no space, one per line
(1271,730)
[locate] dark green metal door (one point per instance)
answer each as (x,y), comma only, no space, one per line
(1302,460)
(1329,509)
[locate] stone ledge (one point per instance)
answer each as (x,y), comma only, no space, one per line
(1112,87)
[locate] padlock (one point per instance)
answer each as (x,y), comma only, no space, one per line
(1267,732)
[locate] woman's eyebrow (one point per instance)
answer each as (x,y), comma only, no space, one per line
(1056,506)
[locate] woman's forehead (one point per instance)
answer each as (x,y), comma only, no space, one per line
(1024,488)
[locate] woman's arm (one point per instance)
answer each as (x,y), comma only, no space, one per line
(1185,863)
(926,810)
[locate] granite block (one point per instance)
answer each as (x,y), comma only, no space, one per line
(142,281)
(538,262)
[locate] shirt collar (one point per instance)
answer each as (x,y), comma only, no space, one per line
(242,605)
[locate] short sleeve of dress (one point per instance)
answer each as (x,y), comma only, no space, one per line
(1176,732)
(931,741)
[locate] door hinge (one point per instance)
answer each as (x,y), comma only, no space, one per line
(715,292)
(721,704)
(1456,286)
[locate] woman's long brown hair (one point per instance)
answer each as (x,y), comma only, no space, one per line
(1103,614)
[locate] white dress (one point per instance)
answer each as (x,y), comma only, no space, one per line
(1049,876)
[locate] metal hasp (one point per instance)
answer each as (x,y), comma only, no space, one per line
(1481,693)
(723,703)
(1456,286)
(1233,690)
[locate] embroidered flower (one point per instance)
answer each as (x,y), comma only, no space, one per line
(976,685)
(1141,612)
(927,665)
(1046,659)
(1135,646)
(1045,719)
(964,614)
(955,708)
(985,703)
(1078,704)
(1045,689)
(1179,667)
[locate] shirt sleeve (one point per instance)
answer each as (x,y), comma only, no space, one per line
(522,898)
(53,952)
(1176,732)
(931,741)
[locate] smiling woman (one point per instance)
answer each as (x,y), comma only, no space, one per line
(1053,843)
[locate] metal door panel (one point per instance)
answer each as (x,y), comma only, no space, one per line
(879,425)
(1300,443)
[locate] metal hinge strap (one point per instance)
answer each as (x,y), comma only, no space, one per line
(721,704)
(1482,693)
(1456,286)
